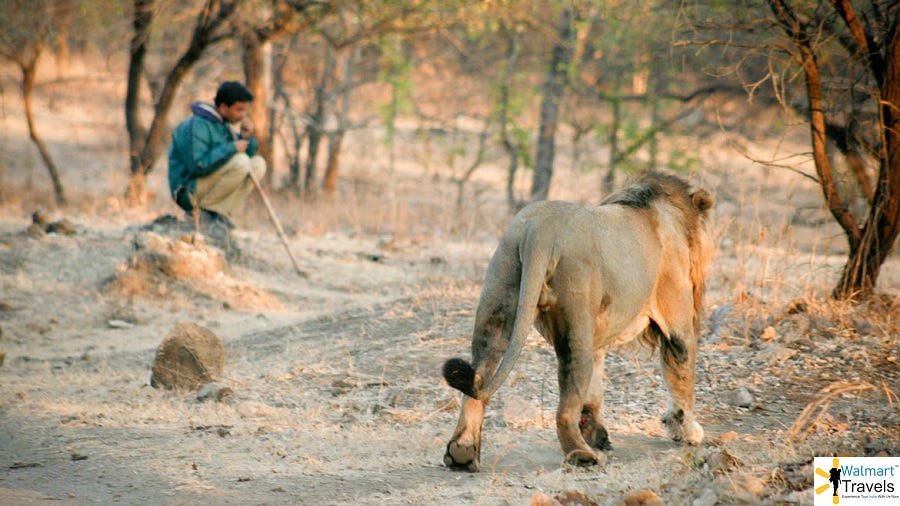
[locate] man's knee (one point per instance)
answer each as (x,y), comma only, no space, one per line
(240,163)
(258,166)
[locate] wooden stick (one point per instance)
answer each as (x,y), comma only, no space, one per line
(277,224)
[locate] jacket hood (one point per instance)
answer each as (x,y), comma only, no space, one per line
(207,111)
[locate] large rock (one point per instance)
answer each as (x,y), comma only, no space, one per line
(188,358)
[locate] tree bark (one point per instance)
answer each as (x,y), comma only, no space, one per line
(143,19)
(257,74)
(554,89)
(315,129)
(609,179)
(342,114)
(510,145)
(332,166)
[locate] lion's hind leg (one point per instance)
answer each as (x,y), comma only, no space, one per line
(678,358)
(489,340)
(575,366)
(464,449)
(591,423)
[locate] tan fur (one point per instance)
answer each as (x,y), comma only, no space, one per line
(587,277)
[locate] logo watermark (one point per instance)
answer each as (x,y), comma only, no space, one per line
(857,480)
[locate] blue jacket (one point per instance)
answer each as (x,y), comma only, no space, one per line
(200,145)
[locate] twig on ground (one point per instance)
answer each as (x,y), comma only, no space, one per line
(832,391)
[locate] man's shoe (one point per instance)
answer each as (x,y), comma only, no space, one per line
(220,218)
(210,218)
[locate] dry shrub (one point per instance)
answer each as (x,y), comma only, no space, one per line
(185,258)
(158,259)
(160,263)
(808,420)
(250,298)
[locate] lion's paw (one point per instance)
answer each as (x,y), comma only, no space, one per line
(594,433)
(584,458)
(461,456)
(680,429)
(692,433)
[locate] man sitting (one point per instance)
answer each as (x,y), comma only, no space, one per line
(212,156)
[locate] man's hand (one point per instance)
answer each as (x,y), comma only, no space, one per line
(247,127)
(241,145)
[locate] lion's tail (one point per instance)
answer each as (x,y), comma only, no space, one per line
(460,374)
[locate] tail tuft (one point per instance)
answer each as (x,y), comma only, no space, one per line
(461,376)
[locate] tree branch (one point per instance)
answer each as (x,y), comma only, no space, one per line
(867,45)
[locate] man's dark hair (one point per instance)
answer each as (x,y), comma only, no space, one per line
(230,92)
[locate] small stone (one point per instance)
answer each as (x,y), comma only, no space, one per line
(796,307)
(40,218)
(250,409)
(63,226)
(35,231)
(862,327)
(722,462)
(805,496)
(747,488)
(119,324)
(775,354)
(574,498)
(741,398)
(643,498)
(768,334)
(729,437)
(707,498)
(541,499)
(215,392)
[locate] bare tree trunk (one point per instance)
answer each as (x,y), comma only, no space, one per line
(314,142)
(610,179)
(554,89)
(276,117)
(854,159)
(858,167)
(510,145)
(62,54)
(883,221)
(137,133)
(513,155)
(342,114)
(315,127)
(479,159)
(332,167)
(293,145)
(257,74)
(28,76)
(653,142)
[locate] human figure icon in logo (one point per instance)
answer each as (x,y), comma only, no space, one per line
(835,478)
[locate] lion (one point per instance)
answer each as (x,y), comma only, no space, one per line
(587,277)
